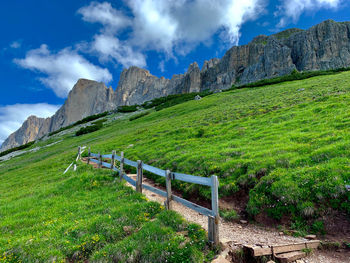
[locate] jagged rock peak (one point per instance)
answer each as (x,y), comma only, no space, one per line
(209,64)
(321,47)
(28,132)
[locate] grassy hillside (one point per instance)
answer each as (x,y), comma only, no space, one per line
(287,146)
(46,216)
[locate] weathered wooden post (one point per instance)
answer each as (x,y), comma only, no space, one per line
(99,160)
(168,202)
(113,157)
(139,176)
(121,171)
(79,153)
(89,155)
(213,221)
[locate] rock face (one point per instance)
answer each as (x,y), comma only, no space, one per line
(137,85)
(86,98)
(28,132)
(324,46)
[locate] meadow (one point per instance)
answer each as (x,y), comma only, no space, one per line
(285,146)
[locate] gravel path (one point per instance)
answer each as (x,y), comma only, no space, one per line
(241,234)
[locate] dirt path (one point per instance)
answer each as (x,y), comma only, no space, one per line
(240,234)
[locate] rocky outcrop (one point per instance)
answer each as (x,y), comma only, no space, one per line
(28,132)
(138,85)
(324,46)
(87,97)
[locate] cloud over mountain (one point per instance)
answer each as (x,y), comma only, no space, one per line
(165,26)
(62,70)
(290,10)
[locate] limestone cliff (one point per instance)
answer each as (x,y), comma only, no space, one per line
(29,131)
(324,46)
(87,97)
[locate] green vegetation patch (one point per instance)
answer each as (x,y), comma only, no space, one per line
(126,108)
(277,143)
(86,215)
(89,129)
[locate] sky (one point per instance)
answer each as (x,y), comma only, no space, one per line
(46,46)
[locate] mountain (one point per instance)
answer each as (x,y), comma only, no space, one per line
(324,46)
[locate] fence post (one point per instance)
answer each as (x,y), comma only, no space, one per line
(213,221)
(168,203)
(121,170)
(79,153)
(89,154)
(99,160)
(139,176)
(113,157)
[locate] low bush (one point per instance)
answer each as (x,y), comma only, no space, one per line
(126,108)
(88,129)
(91,118)
(229,215)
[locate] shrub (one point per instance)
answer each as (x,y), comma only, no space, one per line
(88,129)
(229,215)
(140,115)
(200,133)
(126,108)
(91,118)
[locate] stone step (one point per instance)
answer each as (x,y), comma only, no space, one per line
(290,256)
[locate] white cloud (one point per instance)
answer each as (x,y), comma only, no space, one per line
(166,26)
(161,25)
(12,116)
(290,10)
(111,48)
(15,44)
(105,14)
(62,69)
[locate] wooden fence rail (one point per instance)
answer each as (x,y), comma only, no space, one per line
(212,182)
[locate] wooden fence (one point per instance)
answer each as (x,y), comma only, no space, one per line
(213,214)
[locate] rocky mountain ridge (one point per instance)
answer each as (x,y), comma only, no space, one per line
(324,46)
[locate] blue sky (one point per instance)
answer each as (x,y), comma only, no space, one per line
(46,46)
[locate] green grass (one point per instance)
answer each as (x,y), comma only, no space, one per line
(286,145)
(46,216)
(278,143)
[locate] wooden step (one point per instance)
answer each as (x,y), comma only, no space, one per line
(290,256)
(256,251)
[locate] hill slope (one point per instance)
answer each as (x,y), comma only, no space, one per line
(284,147)
(276,143)
(322,47)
